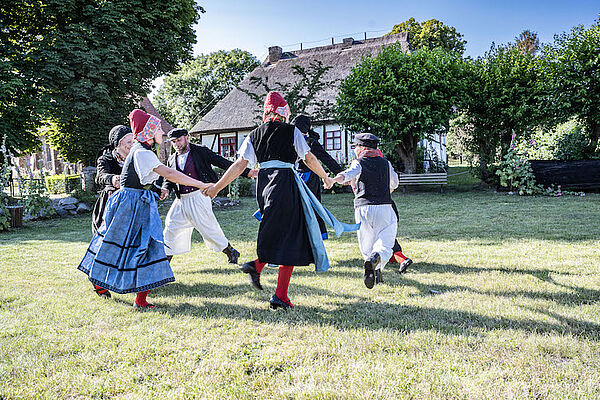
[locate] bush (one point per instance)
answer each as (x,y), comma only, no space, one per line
(566,141)
(84,196)
(62,183)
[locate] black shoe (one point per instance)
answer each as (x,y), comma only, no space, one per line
(276,303)
(378,276)
(404,265)
(253,274)
(102,293)
(169,258)
(370,265)
(232,254)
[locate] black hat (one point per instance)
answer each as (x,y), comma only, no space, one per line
(177,133)
(302,122)
(116,134)
(366,139)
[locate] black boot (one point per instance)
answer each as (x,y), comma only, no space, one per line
(253,274)
(276,303)
(232,254)
(404,265)
(370,265)
(378,276)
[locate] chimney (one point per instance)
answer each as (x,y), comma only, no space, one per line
(275,53)
(347,42)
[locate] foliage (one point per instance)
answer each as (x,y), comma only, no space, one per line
(86,62)
(502,99)
(5,175)
(186,95)
(431,34)
(83,196)
(36,201)
(567,141)
(571,84)
(401,97)
(516,174)
(302,94)
(56,184)
(528,41)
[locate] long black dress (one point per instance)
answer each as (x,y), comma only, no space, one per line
(282,234)
(107,166)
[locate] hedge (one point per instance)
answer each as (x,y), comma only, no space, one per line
(62,183)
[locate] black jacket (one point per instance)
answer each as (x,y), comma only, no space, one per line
(107,167)
(319,152)
(203,159)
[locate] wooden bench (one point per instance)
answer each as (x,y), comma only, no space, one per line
(440,178)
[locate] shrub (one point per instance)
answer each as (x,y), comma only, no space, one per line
(567,141)
(62,183)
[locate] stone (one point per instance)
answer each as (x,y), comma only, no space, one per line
(67,201)
(70,207)
(61,212)
(83,208)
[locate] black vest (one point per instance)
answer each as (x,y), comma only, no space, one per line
(274,140)
(130,178)
(373,184)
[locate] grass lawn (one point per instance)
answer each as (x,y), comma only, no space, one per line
(503,302)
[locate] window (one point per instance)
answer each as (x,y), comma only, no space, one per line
(228,146)
(333,140)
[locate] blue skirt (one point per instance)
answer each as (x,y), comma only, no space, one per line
(127,254)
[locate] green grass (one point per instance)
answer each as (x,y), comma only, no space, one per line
(517,315)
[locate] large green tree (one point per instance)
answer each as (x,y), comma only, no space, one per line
(89,61)
(431,34)
(402,97)
(502,100)
(185,96)
(571,84)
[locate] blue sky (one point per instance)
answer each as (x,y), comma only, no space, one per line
(256,25)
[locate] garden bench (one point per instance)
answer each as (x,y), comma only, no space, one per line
(440,178)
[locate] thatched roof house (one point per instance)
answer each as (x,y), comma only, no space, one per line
(224,127)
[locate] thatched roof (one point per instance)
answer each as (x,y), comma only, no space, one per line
(238,111)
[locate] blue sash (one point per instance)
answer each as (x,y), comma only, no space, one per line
(310,204)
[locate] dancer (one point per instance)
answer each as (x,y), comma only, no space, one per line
(288,234)
(191,209)
(303,123)
(127,254)
(369,174)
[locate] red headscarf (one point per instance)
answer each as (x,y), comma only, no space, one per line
(143,125)
(275,103)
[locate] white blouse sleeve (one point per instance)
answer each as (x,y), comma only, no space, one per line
(394,182)
(144,162)
(246,151)
(353,172)
(300,144)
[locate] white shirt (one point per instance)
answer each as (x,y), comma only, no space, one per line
(144,162)
(353,173)
(181,160)
(247,152)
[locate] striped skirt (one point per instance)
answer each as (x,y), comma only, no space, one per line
(127,254)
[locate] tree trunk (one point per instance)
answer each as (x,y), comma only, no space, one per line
(594,136)
(407,150)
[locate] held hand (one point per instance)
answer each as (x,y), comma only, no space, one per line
(164,193)
(211,191)
(116,181)
(328,183)
(253,173)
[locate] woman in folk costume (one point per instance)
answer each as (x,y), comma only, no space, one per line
(373,179)
(127,254)
(303,123)
(108,169)
(288,234)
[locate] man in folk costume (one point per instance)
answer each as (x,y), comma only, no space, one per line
(371,176)
(128,254)
(303,123)
(192,209)
(288,234)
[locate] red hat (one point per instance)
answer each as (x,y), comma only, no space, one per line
(276,103)
(143,125)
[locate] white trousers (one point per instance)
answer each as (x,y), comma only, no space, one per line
(192,210)
(378,227)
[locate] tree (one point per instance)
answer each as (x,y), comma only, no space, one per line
(401,97)
(431,34)
(186,94)
(571,84)
(301,94)
(89,61)
(528,41)
(502,100)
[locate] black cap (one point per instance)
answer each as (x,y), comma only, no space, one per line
(177,133)
(116,134)
(366,139)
